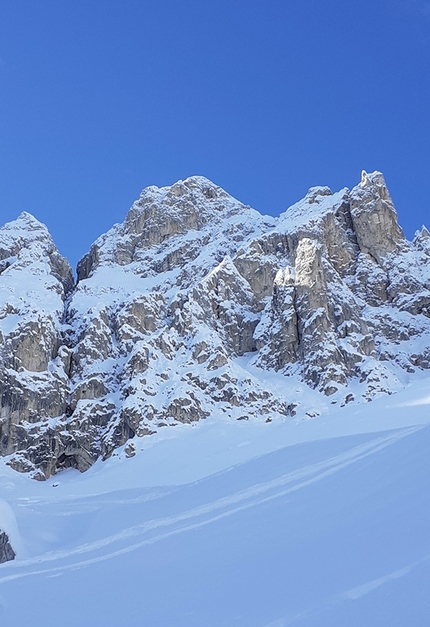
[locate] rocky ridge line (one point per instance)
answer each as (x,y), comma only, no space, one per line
(198,306)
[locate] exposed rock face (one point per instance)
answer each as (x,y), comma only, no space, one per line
(7,553)
(181,311)
(374,217)
(34,376)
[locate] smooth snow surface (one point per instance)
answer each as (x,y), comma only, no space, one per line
(323,522)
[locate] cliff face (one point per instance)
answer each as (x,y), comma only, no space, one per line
(184,310)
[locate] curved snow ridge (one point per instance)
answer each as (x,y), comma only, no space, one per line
(195,518)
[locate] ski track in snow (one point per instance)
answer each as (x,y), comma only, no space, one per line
(352,594)
(213,511)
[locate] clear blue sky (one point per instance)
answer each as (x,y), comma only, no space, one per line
(100,98)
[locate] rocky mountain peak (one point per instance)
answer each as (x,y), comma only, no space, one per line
(187,205)
(22,235)
(374,217)
(314,193)
(25,242)
(198,306)
(374,179)
(166,213)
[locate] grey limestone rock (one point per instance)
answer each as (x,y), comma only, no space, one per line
(34,283)
(374,217)
(180,311)
(7,553)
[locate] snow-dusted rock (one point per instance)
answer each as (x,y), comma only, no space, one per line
(34,378)
(374,217)
(178,309)
(7,553)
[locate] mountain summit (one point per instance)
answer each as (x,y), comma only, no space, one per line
(197,305)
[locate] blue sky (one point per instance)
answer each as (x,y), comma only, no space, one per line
(99,99)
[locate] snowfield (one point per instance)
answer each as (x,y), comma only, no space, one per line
(318,522)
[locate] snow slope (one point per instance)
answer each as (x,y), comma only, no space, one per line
(319,522)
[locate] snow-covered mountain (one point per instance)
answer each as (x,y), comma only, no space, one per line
(296,502)
(198,306)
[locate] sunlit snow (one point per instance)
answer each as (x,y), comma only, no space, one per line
(318,522)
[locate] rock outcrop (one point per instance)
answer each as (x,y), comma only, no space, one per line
(7,553)
(198,306)
(34,368)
